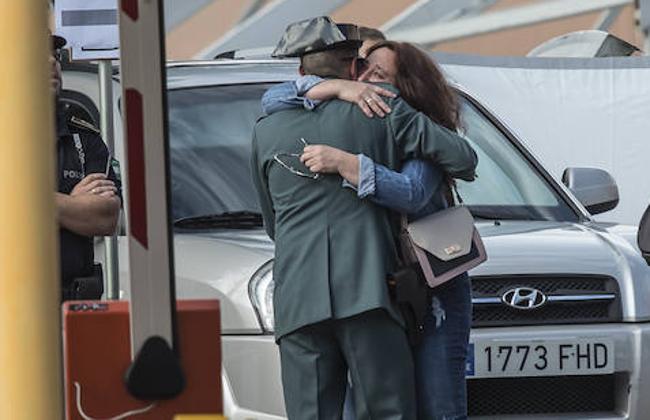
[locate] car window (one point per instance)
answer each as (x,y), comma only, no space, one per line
(507,186)
(210,132)
(210,144)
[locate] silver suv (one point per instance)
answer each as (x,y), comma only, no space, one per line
(561,311)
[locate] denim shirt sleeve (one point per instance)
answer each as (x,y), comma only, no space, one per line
(289,95)
(366,185)
(408,191)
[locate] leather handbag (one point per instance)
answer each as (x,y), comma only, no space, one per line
(444,244)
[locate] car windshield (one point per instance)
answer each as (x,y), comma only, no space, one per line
(507,185)
(210,138)
(210,143)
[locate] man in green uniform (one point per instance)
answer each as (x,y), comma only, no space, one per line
(333,251)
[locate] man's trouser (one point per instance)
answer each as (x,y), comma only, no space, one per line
(315,361)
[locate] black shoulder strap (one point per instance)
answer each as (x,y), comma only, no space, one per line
(459,199)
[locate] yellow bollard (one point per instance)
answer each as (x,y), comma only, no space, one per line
(30,364)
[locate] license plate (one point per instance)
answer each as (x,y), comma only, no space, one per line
(489,359)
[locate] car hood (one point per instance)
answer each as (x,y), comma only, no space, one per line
(513,247)
(525,247)
(213,265)
(219,264)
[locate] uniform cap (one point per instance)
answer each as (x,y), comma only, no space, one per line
(315,35)
(58,42)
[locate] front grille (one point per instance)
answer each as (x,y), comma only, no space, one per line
(576,312)
(489,311)
(489,285)
(545,395)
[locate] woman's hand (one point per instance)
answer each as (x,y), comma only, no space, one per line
(322,159)
(326,159)
(367,96)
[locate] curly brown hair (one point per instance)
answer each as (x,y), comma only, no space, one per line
(422,84)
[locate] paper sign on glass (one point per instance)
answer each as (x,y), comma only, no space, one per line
(90,27)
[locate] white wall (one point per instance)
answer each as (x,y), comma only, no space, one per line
(573,112)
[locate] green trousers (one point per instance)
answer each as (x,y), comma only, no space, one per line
(371,346)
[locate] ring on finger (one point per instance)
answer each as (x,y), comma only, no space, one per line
(369,100)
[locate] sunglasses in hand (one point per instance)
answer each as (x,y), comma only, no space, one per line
(291,162)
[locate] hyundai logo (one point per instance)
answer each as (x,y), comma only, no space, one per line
(524,298)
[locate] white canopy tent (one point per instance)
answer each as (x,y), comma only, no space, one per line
(572,112)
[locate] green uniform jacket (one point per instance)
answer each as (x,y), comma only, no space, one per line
(333,250)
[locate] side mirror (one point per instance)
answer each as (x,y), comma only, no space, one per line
(643,238)
(594,188)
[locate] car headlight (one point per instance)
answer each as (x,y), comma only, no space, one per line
(260,292)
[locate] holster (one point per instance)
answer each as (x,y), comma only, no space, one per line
(89,287)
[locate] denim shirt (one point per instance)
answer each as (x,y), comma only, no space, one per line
(416,190)
(290,95)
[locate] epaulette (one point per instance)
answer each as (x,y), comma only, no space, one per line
(79,123)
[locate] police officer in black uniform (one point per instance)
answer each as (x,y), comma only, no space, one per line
(88,196)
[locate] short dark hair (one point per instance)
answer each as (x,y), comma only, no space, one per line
(366,33)
(329,63)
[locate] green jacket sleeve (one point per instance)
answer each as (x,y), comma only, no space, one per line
(419,137)
(262,186)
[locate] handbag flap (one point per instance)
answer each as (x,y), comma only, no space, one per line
(447,234)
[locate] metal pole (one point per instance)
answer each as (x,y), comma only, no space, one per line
(112,285)
(607,18)
(251,9)
(30,330)
(500,20)
(268,23)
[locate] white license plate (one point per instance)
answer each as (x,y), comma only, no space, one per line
(489,359)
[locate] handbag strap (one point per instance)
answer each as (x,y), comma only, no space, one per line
(456,195)
(405,243)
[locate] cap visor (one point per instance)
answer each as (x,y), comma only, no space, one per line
(58,42)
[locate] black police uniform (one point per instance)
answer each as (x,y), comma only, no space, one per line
(80,152)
